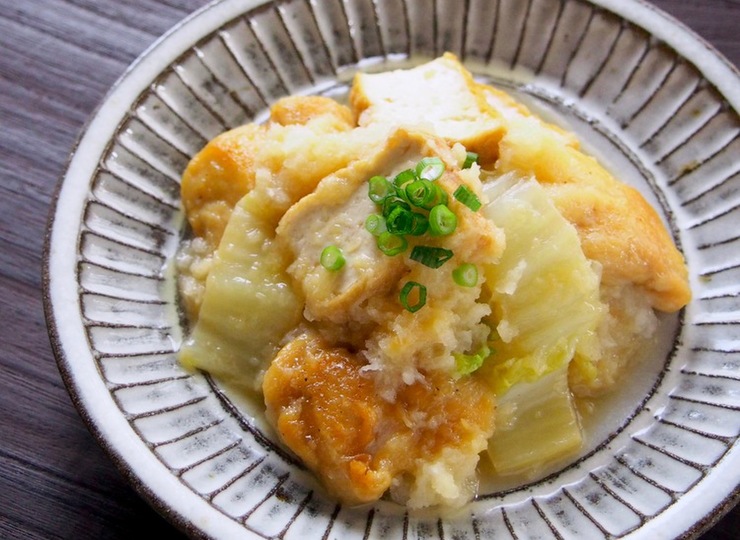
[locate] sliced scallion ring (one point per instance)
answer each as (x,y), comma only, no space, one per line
(421,193)
(375,224)
(430,168)
(379,189)
(393,202)
(466,275)
(442,221)
(419,224)
(404,177)
(413,296)
(391,244)
(400,221)
(440,196)
(332,258)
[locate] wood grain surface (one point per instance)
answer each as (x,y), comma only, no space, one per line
(57,60)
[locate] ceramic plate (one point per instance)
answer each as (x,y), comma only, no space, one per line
(658,105)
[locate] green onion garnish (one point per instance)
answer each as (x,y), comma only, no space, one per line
(375,224)
(433,257)
(421,193)
(468,198)
(332,258)
(440,196)
(419,224)
(391,244)
(466,275)
(430,168)
(408,291)
(393,202)
(404,177)
(399,221)
(470,158)
(442,221)
(379,189)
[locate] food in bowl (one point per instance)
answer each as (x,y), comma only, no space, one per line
(426,277)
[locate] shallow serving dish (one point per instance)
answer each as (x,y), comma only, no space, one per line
(654,102)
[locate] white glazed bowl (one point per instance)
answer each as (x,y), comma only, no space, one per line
(658,105)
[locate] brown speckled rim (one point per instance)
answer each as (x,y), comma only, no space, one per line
(725,506)
(120,461)
(181,522)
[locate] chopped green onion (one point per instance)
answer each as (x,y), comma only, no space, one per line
(404,177)
(466,275)
(442,221)
(470,158)
(430,168)
(391,244)
(433,257)
(399,221)
(408,290)
(419,224)
(440,196)
(421,193)
(468,198)
(393,202)
(379,189)
(375,224)
(332,258)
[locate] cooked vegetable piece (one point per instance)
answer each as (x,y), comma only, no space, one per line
(537,425)
(469,363)
(544,292)
(248,305)
(617,226)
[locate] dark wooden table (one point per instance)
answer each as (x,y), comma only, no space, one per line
(57,60)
